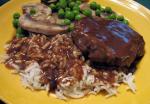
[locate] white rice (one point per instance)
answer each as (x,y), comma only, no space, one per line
(77,91)
(3,58)
(31,77)
(129,80)
(60,95)
(32,74)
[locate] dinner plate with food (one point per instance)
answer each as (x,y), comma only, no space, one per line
(74,51)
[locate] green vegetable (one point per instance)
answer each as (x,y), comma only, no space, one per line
(61,13)
(112,16)
(93,5)
(120,18)
(71,27)
(76,8)
(67,22)
(78,2)
(87,12)
(19,33)
(32,11)
(76,12)
(62,3)
(78,17)
(108,10)
(98,6)
(69,15)
(58,5)
(98,12)
(67,9)
(126,21)
(52,6)
(16,15)
(102,9)
(16,23)
(71,4)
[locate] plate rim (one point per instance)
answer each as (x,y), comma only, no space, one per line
(6,5)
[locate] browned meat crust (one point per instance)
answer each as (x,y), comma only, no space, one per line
(108,42)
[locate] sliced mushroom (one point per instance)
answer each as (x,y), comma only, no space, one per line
(40,8)
(42,21)
(39,27)
(84,6)
(47,2)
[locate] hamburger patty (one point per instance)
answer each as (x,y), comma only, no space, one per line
(108,42)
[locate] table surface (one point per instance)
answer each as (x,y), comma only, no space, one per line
(146,3)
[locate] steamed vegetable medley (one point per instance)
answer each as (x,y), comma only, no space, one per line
(71,10)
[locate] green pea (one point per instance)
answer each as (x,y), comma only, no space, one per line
(76,8)
(112,16)
(15,23)
(67,22)
(61,13)
(19,30)
(98,12)
(93,5)
(71,4)
(120,18)
(78,2)
(19,33)
(98,6)
(67,9)
(63,3)
(32,11)
(52,6)
(78,17)
(76,12)
(87,12)
(102,9)
(126,21)
(16,15)
(71,27)
(69,1)
(69,15)
(58,5)
(108,10)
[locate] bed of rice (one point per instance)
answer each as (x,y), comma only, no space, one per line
(30,78)
(69,86)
